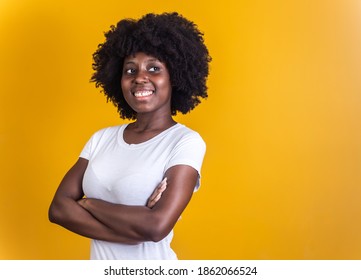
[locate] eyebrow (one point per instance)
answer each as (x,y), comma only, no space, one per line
(148,60)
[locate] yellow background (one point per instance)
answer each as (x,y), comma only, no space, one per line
(281,177)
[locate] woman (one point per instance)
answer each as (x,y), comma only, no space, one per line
(132,182)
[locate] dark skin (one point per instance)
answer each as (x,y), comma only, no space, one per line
(147,89)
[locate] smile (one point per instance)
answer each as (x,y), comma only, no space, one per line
(143,93)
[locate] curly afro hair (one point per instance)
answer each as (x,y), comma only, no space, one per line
(169,37)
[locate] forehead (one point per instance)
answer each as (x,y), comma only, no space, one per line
(140,57)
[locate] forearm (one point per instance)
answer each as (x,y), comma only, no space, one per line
(69,214)
(137,223)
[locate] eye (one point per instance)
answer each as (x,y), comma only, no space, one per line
(154,69)
(129,71)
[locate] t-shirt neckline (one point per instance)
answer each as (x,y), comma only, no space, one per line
(147,142)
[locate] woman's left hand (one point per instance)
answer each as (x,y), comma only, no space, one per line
(157,194)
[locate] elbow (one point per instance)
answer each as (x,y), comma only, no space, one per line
(159,229)
(54,214)
(158,235)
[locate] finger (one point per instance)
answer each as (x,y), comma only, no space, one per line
(157,198)
(164,181)
(156,195)
(161,187)
(162,184)
(153,201)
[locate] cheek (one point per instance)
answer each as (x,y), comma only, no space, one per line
(125,88)
(165,83)
(124,84)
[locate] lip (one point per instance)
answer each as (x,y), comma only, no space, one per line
(142,92)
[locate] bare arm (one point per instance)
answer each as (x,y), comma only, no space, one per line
(140,223)
(66,211)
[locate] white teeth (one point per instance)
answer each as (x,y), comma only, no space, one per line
(143,93)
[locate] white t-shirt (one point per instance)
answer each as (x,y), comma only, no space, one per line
(128,174)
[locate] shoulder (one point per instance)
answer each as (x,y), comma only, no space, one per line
(188,133)
(105,135)
(107,131)
(185,136)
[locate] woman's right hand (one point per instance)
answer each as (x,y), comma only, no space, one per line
(157,194)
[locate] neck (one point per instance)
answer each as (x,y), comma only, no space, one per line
(153,123)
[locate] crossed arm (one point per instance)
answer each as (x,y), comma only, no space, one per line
(102,220)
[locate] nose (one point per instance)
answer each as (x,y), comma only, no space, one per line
(141,77)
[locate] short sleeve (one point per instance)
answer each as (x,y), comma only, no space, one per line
(86,152)
(98,139)
(190,150)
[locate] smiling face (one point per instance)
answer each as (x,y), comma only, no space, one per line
(146,84)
